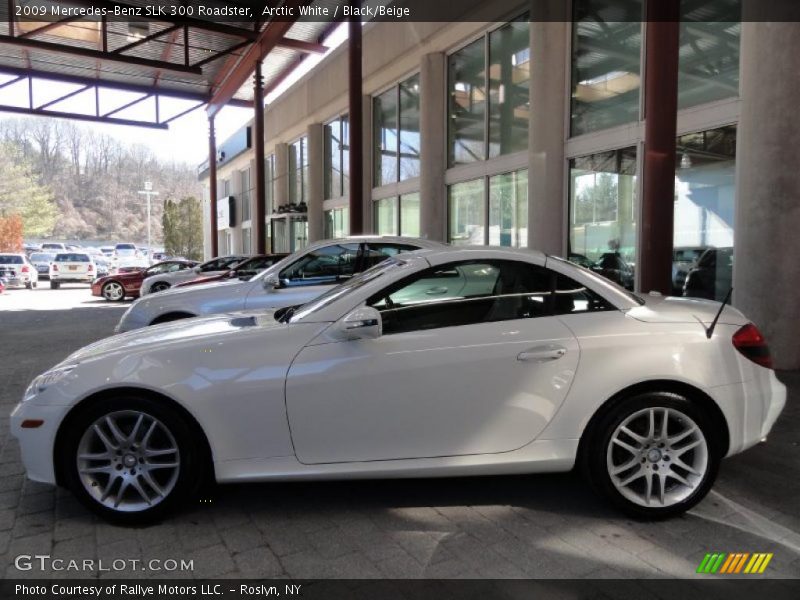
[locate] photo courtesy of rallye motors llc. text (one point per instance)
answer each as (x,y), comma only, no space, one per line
(139,590)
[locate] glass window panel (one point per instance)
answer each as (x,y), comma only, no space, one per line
(295,179)
(509,88)
(337,223)
(333,159)
(385,132)
(467,212)
(508,209)
(246,240)
(708,68)
(345,156)
(245,194)
(386,216)
(409,215)
(606,46)
(705,188)
(467,104)
(409,128)
(269,178)
(603,213)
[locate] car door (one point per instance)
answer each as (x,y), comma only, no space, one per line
(479,366)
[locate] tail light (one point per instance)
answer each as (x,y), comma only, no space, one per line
(90,268)
(55,267)
(752,345)
(26,269)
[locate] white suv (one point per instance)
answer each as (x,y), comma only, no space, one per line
(73,267)
(17,270)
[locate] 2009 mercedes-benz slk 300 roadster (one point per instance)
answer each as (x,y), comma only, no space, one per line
(469,361)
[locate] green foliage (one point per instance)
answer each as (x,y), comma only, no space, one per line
(22,194)
(182,223)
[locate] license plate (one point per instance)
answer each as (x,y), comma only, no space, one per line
(73,268)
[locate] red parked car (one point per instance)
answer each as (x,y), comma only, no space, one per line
(244,270)
(114,288)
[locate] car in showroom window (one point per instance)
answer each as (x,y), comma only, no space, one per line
(462,361)
(292,281)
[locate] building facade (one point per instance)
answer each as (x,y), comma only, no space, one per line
(520,132)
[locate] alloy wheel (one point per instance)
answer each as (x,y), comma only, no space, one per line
(657,457)
(113,291)
(128,461)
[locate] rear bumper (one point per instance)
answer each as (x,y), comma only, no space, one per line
(70,278)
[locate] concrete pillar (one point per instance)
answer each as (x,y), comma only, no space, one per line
(433,146)
(766,273)
(356,106)
(547,192)
(316,181)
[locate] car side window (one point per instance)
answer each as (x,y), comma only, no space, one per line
(572,297)
(377,252)
(465,293)
(326,265)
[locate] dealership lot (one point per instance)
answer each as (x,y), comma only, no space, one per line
(538,526)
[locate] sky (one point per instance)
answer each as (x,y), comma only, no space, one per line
(186,140)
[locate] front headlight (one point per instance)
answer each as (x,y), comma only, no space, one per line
(45,380)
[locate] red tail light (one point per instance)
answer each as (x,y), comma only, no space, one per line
(26,269)
(752,345)
(90,268)
(55,267)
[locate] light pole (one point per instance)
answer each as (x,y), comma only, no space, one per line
(148,191)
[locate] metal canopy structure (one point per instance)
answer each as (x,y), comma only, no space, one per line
(68,67)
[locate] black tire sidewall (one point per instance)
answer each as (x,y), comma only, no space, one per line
(600,437)
(159,286)
(191,470)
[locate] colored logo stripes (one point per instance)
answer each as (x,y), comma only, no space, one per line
(735,563)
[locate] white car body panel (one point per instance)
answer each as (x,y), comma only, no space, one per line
(175,278)
(15,274)
(376,407)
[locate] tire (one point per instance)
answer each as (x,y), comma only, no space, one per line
(149,493)
(170,317)
(113,291)
(647,475)
(54,285)
(159,286)
(29,285)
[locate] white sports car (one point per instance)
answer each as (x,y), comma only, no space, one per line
(469,361)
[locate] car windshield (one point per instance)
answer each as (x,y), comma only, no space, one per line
(296,313)
(125,247)
(73,258)
(10,259)
(42,257)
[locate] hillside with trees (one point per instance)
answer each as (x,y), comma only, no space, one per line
(68,181)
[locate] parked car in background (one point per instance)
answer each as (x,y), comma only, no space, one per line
(30,248)
(2,285)
(53,247)
(42,260)
(581,260)
(102,263)
(71,267)
(683,259)
(712,276)
(454,362)
(127,255)
(294,280)
(215,266)
(243,271)
(160,256)
(18,271)
(612,266)
(115,288)
(107,250)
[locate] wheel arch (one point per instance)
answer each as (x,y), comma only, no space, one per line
(174,315)
(75,412)
(688,391)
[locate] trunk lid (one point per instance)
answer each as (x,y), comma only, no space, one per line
(670,309)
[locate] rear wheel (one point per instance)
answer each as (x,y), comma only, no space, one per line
(54,285)
(113,291)
(654,455)
(159,286)
(29,285)
(131,459)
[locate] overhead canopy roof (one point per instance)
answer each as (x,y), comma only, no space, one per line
(191,58)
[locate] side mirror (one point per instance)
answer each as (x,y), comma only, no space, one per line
(271,283)
(363,322)
(196,269)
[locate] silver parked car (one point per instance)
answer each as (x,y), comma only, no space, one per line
(294,280)
(17,270)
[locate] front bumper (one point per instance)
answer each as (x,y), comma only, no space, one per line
(37,444)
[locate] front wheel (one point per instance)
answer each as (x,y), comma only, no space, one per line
(654,455)
(159,286)
(131,459)
(113,291)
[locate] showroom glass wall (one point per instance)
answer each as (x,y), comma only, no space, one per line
(396,159)
(606,143)
(487,119)
(336,214)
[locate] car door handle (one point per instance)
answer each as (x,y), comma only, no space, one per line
(435,291)
(542,353)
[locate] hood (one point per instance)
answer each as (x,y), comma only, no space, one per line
(178,331)
(669,309)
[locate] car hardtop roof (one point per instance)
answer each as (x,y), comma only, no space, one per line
(422,243)
(453,253)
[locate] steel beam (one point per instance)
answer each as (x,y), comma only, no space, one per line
(258,145)
(80,117)
(356,127)
(658,179)
(212,186)
(307,47)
